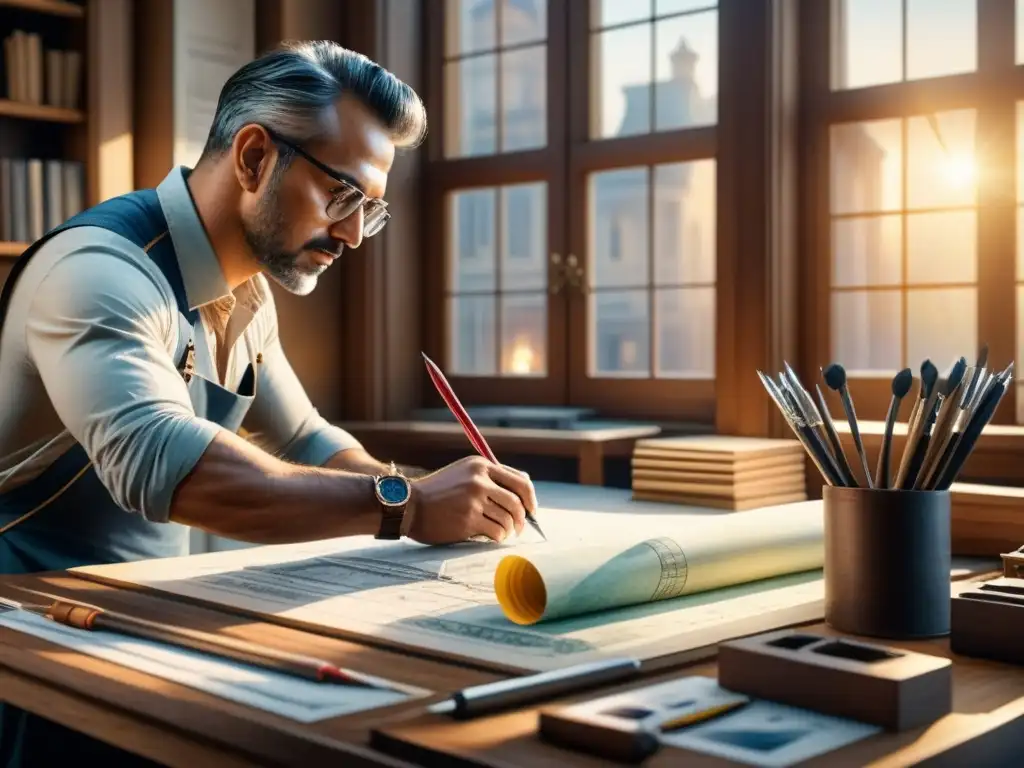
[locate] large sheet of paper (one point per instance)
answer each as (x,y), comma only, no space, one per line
(685,559)
(442,599)
(302,700)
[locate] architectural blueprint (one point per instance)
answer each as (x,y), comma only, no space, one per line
(442,599)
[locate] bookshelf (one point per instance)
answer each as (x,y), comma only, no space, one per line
(65,112)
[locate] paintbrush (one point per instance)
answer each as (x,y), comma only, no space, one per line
(932,446)
(801,403)
(926,398)
(835,379)
(813,419)
(977,375)
(929,375)
(981,378)
(927,422)
(982,415)
(808,437)
(849,478)
(901,384)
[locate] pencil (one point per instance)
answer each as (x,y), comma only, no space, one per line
(90,618)
(692,718)
(474,435)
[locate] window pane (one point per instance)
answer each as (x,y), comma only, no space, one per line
(665,7)
(472,253)
(866,251)
(941,37)
(866,167)
(471,112)
(1020,60)
(524,331)
(684,223)
(469,26)
(942,247)
(686,71)
(522,21)
(1020,354)
(867,332)
(524,239)
(471,335)
(621,74)
(620,338)
(940,160)
(605,13)
(869,43)
(1020,246)
(524,98)
(1020,152)
(618,250)
(685,321)
(941,325)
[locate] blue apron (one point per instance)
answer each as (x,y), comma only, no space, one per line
(74,520)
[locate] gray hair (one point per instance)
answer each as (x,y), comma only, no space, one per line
(289,89)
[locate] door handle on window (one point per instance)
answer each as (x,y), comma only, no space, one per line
(557,280)
(574,274)
(568,273)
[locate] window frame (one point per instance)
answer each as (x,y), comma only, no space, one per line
(564,163)
(993,91)
(441,176)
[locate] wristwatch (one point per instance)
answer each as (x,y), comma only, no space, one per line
(393,491)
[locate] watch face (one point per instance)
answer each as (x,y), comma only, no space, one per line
(393,490)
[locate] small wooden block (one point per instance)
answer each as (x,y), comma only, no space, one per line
(987,622)
(889,687)
(1013,563)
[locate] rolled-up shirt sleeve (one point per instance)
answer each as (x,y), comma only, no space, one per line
(101,331)
(282,419)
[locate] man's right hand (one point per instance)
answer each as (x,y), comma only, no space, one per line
(468,498)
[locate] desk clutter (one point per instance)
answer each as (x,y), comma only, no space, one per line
(780,699)
(733,473)
(888,541)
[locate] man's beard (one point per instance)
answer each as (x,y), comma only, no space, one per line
(265,237)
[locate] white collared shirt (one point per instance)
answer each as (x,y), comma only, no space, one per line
(86,355)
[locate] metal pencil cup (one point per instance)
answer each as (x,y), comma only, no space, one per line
(887,562)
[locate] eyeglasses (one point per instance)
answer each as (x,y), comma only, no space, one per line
(349,198)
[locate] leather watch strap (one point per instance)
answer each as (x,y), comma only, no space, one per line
(391,522)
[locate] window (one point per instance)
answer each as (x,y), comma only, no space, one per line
(576,176)
(914,144)
(889,41)
(904,242)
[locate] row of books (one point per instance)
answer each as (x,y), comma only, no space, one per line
(38,195)
(57,84)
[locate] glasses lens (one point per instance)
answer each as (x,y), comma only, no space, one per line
(374,221)
(344,204)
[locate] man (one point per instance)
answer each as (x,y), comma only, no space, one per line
(138,339)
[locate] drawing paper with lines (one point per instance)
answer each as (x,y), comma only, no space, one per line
(605,583)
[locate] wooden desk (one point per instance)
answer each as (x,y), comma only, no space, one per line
(505,740)
(589,446)
(180,726)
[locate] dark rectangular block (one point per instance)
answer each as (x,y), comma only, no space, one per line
(889,687)
(987,622)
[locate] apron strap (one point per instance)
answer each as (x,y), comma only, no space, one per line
(184,355)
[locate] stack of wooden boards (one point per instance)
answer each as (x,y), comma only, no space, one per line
(723,472)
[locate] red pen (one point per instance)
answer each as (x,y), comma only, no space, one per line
(475,437)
